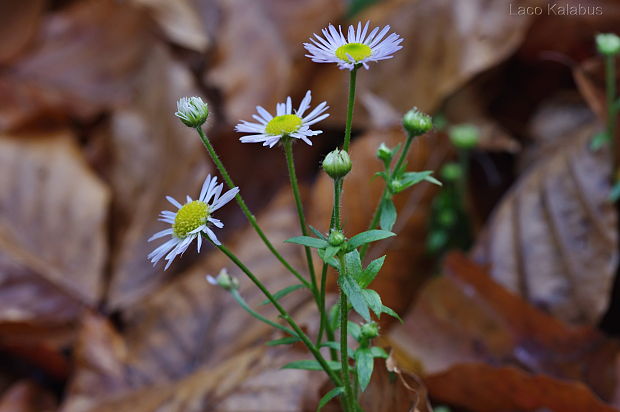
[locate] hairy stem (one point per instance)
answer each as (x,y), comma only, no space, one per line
(284,314)
(290,162)
(246,210)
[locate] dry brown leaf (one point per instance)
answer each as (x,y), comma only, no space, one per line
(465,316)
(18,24)
(52,232)
(361,194)
(180,21)
(152,155)
(256,48)
(78,65)
(553,239)
(486,388)
(463,39)
(26,396)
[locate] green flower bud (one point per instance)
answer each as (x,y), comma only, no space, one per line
(396,186)
(369,330)
(465,136)
(224,280)
(336,238)
(192,111)
(608,44)
(337,163)
(451,172)
(384,153)
(417,123)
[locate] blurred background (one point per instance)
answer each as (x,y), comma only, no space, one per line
(504,276)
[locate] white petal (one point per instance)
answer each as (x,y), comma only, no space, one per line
(174,202)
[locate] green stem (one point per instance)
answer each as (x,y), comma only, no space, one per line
(244,305)
(350,104)
(246,210)
(284,314)
(290,162)
(610,79)
(386,190)
(344,359)
(337,194)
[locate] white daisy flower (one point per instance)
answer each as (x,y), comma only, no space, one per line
(356,48)
(269,129)
(191,221)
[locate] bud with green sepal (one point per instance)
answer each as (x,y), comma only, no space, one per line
(416,123)
(192,111)
(337,164)
(224,280)
(608,44)
(336,237)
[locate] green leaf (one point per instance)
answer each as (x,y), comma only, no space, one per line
(317,233)
(330,252)
(369,236)
(354,292)
(331,261)
(334,315)
(599,140)
(281,293)
(353,264)
(388,214)
(308,241)
(369,274)
(614,195)
(354,330)
(378,352)
(335,345)
(284,341)
(329,396)
(311,365)
(373,300)
(409,179)
(364,363)
(432,180)
(388,311)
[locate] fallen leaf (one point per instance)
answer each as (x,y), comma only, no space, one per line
(553,239)
(26,396)
(152,155)
(465,317)
(76,67)
(486,388)
(18,24)
(52,232)
(266,36)
(180,21)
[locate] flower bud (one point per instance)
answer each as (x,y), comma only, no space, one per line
(192,111)
(608,44)
(384,153)
(336,238)
(337,163)
(465,136)
(369,330)
(224,280)
(451,172)
(417,123)
(396,186)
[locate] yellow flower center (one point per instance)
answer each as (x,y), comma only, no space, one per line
(285,124)
(357,51)
(190,217)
